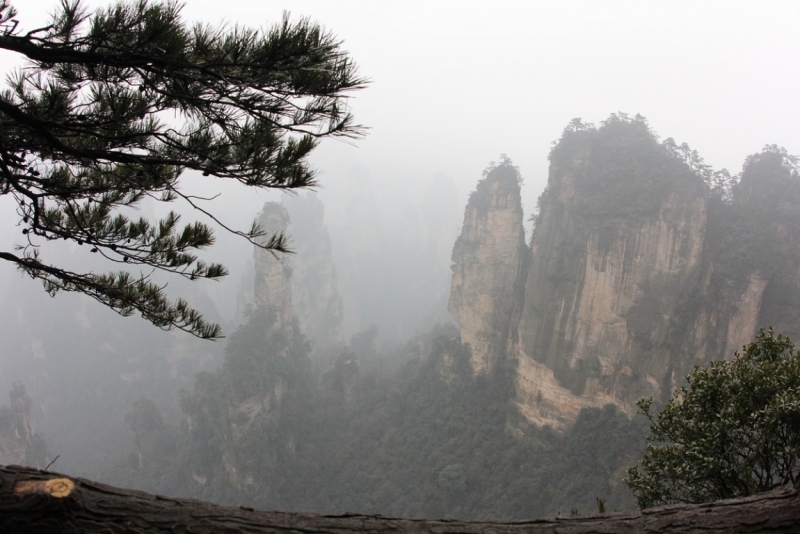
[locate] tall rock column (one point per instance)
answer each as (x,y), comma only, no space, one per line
(19,442)
(637,271)
(487,259)
(273,286)
(317,302)
(615,256)
(265,361)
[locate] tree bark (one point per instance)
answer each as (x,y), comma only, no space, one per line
(34,501)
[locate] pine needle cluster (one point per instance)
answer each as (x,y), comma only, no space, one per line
(113,107)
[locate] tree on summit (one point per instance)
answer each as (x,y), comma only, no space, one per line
(112,107)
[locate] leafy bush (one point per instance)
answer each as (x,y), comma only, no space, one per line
(733,430)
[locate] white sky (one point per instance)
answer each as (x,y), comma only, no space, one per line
(454,84)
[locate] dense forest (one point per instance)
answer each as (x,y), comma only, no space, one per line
(430,440)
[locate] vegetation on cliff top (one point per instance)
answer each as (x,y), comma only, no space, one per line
(505,174)
(621,168)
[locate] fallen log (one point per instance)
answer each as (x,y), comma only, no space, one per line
(33,501)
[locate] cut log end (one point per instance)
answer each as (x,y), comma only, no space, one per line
(55,487)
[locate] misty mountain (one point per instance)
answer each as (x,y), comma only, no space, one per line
(642,262)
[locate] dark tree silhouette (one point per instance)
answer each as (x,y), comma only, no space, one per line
(112,107)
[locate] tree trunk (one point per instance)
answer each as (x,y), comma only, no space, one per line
(33,501)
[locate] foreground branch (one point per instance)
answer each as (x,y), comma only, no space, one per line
(34,501)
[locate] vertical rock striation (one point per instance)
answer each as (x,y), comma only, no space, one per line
(273,289)
(318,304)
(630,279)
(606,279)
(487,260)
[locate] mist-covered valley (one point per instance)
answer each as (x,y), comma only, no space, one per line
(479,290)
(642,262)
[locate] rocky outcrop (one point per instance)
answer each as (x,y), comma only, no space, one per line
(623,288)
(318,304)
(273,289)
(743,322)
(603,289)
(19,442)
(302,284)
(487,264)
(267,362)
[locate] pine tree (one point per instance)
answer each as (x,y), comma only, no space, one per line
(112,107)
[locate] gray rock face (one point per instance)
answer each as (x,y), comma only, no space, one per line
(303,284)
(601,296)
(487,261)
(621,291)
(317,301)
(19,442)
(273,288)
(297,303)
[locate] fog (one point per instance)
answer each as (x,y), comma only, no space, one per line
(452,86)
(456,84)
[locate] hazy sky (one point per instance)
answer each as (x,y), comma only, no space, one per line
(454,84)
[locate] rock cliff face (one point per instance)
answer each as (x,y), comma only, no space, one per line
(19,442)
(603,287)
(318,304)
(302,285)
(623,287)
(273,288)
(487,262)
(297,310)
